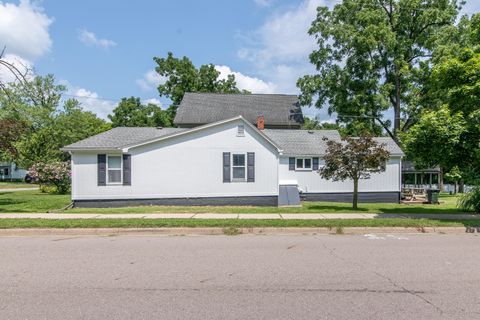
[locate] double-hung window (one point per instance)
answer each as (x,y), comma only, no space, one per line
(114,169)
(238,167)
(303,164)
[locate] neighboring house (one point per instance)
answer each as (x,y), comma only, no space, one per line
(420,178)
(280,111)
(228,162)
(10,171)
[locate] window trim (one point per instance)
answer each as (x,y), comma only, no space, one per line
(303,163)
(108,169)
(232,179)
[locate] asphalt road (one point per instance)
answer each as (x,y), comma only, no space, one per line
(241,277)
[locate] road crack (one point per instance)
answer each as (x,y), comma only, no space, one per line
(416,294)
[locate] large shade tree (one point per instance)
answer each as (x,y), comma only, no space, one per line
(131,112)
(181,75)
(373,56)
(448,135)
(43,122)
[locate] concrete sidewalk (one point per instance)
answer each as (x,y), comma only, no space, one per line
(277,216)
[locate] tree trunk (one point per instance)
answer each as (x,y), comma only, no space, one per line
(396,107)
(461,186)
(455,187)
(355,193)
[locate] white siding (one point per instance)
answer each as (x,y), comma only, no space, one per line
(310,181)
(186,166)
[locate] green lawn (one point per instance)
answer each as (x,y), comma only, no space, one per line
(15,185)
(35,201)
(31,201)
(225,223)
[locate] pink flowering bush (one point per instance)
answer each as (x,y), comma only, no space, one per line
(54,174)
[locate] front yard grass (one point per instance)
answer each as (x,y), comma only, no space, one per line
(33,201)
(15,185)
(225,223)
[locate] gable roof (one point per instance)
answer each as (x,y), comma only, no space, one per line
(310,142)
(122,138)
(302,142)
(286,141)
(390,145)
(119,137)
(201,108)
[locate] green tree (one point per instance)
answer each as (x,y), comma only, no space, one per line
(372,56)
(353,159)
(11,131)
(48,122)
(314,124)
(130,112)
(454,175)
(435,139)
(449,136)
(68,125)
(182,76)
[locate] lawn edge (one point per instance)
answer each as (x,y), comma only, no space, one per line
(174,231)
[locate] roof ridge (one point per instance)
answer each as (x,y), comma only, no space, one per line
(245,94)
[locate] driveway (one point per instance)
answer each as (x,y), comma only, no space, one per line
(241,277)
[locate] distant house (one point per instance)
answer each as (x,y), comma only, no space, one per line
(427,178)
(231,161)
(10,171)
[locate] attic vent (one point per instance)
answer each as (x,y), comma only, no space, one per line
(311,131)
(241,130)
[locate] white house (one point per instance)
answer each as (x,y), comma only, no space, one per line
(227,162)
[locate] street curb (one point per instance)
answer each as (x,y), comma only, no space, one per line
(233,231)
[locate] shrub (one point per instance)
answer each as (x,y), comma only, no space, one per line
(470,201)
(54,174)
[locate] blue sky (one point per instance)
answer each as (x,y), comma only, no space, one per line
(103,50)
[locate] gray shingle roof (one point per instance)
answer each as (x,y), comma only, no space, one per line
(390,145)
(291,141)
(202,108)
(121,137)
(409,166)
(301,142)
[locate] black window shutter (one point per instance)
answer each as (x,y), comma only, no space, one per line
(291,164)
(226,167)
(250,167)
(127,170)
(315,163)
(101,170)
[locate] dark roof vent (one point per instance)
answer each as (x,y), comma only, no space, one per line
(159,128)
(311,131)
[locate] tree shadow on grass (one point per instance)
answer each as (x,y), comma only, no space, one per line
(333,208)
(23,204)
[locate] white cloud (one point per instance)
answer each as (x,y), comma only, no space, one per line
(25,67)
(91,39)
(284,36)
(263,3)
(150,80)
(91,101)
(278,50)
(24,29)
(153,101)
(244,82)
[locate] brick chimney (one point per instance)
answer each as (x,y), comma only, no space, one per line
(261,122)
